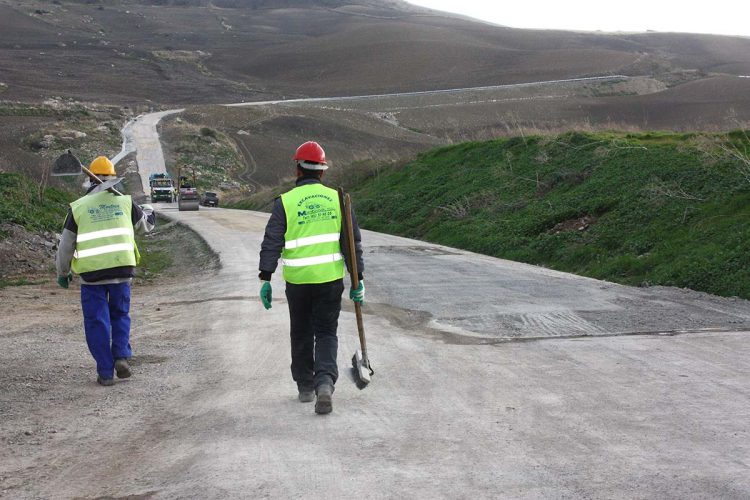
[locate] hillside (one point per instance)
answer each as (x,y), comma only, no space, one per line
(85,67)
(33,135)
(195,51)
(643,208)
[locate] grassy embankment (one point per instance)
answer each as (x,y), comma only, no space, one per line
(649,208)
(173,250)
(23,203)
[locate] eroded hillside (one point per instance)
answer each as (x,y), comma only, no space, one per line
(208,52)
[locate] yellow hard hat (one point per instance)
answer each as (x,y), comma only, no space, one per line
(102,166)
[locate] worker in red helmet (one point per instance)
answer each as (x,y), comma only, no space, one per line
(304,230)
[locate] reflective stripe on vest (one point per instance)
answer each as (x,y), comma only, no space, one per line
(312,261)
(117,247)
(105,233)
(312,240)
(312,252)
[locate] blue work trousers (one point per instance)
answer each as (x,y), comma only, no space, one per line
(106,320)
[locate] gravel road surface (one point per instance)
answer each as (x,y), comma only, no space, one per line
(493,380)
(455,409)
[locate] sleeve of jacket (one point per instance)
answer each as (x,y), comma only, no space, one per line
(144,220)
(67,246)
(273,241)
(357,248)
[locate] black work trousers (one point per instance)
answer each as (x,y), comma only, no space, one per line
(314,318)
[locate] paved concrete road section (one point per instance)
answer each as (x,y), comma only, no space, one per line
(465,297)
(142,135)
(454,413)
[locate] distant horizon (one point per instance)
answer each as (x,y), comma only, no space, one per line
(725,17)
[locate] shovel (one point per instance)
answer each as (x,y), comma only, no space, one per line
(360,362)
(68,164)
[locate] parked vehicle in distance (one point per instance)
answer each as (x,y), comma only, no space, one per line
(210,199)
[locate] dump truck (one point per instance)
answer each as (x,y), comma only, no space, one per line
(162,187)
(187,192)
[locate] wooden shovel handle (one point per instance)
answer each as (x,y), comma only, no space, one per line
(353,272)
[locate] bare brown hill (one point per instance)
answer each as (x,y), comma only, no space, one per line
(709,104)
(200,51)
(363,134)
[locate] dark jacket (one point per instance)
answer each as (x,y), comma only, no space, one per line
(273,240)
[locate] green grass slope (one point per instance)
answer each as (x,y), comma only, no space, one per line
(22,202)
(636,209)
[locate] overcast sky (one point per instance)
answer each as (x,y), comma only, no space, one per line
(723,17)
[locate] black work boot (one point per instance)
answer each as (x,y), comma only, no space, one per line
(324,403)
(105,381)
(122,367)
(306,394)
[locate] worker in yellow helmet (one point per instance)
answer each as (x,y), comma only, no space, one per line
(98,244)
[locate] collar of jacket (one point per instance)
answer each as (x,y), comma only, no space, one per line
(302,181)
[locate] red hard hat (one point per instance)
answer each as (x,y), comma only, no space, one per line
(310,151)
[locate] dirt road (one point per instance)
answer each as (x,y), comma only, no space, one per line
(493,380)
(453,411)
(323,100)
(140,135)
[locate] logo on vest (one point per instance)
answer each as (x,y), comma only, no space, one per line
(105,212)
(315,212)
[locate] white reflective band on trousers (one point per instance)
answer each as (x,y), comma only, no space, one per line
(105,233)
(117,247)
(312,240)
(312,261)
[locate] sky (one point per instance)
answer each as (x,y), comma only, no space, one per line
(720,17)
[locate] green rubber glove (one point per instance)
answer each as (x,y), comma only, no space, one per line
(358,294)
(63,281)
(265,294)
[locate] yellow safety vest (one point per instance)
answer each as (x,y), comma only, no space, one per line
(312,252)
(105,233)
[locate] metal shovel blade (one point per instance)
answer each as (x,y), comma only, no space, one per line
(361,368)
(106,185)
(66,164)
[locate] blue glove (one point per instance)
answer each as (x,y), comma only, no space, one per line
(63,281)
(358,294)
(265,294)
